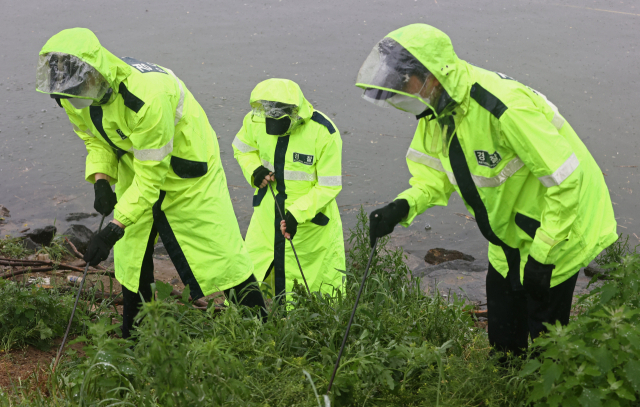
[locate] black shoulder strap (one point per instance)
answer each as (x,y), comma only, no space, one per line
(319,118)
(487,100)
(130,100)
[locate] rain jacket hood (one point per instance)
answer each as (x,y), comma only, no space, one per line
(83,43)
(434,50)
(283,91)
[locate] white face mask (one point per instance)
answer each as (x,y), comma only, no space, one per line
(80,103)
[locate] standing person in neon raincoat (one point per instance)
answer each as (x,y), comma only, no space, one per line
(285,141)
(145,133)
(536,192)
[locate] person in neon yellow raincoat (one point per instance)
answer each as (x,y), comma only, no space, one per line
(536,192)
(283,139)
(145,133)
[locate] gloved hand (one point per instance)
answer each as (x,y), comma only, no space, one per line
(291,224)
(105,198)
(383,220)
(100,244)
(259,175)
(537,279)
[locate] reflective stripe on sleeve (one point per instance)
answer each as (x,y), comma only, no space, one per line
(243,147)
(181,101)
(557,121)
(561,173)
(268,165)
(511,168)
(431,162)
(291,175)
(153,154)
(330,181)
(76,128)
(424,159)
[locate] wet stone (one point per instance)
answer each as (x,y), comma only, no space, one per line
(593,269)
(29,244)
(439,255)
(76,216)
(79,235)
(43,236)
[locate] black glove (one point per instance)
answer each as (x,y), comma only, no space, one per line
(537,279)
(105,198)
(383,220)
(100,244)
(292,224)
(259,174)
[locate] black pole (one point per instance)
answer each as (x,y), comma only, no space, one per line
(293,248)
(75,305)
(353,312)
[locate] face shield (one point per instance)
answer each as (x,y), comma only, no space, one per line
(279,118)
(67,76)
(392,77)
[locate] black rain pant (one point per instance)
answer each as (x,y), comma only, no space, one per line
(246,293)
(513,316)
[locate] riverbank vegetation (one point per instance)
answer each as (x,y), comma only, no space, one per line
(405,348)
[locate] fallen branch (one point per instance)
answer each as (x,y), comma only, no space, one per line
(63,266)
(24,271)
(80,256)
(197,303)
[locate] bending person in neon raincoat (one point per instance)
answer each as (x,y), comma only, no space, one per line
(145,133)
(285,141)
(536,192)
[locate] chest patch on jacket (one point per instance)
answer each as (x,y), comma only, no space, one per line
(488,160)
(143,67)
(303,158)
(121,134)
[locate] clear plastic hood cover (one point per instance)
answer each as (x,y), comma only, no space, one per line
(274,110)
(392,77)
(68,75)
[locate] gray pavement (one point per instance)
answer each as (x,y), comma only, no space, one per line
(583,56)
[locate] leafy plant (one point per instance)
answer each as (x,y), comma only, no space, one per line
(31,315)
(595,360)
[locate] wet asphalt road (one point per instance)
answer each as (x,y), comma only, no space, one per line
(583,56)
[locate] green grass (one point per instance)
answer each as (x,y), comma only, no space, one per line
(405,349)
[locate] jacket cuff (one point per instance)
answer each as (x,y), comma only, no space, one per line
(413,212)
(122,218)
(541,248)
(106,163)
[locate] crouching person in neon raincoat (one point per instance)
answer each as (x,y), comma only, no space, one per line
(284,141)
(536,192)
(145,133)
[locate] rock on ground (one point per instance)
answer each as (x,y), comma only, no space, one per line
(43,236)
(79,235)
(439,255)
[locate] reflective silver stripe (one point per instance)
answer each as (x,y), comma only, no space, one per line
(561,173)
(291,175)
(153,154)
(298,176)
(76,128)
(511,168)
(181,101)
(557,121)
(424,159)
(330,181)
(240,145)
(268,165)
(431,162)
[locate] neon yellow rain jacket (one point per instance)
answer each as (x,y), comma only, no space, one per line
(522,171)
(308,171)
(155,142)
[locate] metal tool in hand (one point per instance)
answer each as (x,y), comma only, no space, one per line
(75,305)
(293,248)
(353,312)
